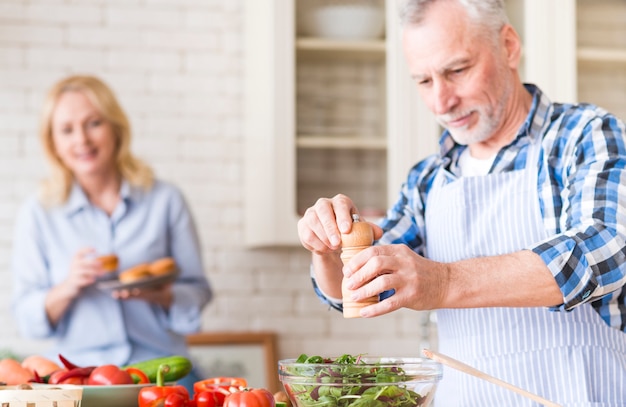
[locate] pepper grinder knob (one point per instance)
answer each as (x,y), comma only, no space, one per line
(360,237)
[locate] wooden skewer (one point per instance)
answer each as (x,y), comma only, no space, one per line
(462,367)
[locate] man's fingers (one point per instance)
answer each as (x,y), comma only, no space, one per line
(322,224)
(327,216)
(312,233)
(343,209)
(378,231)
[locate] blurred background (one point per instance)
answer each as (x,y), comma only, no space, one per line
(179,69)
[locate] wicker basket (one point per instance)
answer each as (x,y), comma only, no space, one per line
(41,396)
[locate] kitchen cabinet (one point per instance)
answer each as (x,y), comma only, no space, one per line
(575,50)
(548,33)
(310,134)
(601,54)
(322,117)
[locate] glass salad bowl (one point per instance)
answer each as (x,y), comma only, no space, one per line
(353,381)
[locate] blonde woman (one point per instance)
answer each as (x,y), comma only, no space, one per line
(101,199)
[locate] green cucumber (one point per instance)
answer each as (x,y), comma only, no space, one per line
(180,367)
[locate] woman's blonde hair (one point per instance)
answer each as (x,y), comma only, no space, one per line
(56,189)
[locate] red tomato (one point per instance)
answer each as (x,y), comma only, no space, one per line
(109,374)
(250,398)
(211,397)
(54,378)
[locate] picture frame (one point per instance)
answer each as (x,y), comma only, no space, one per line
(251,355)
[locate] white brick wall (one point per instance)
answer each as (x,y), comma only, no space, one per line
(176,66)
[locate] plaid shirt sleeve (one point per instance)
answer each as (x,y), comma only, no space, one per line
(335,303)
(584,198)
(404,222)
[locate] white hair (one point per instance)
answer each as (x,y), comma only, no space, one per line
(490,14)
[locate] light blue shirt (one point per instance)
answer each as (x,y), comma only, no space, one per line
(98,329)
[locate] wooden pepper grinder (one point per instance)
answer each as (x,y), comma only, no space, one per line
(360,237)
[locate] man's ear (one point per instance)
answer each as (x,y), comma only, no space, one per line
(511,44)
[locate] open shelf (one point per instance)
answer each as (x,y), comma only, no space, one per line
(340,142)
(593,54)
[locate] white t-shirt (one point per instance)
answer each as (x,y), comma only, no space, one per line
(471,166)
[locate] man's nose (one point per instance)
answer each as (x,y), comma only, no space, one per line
(444,97)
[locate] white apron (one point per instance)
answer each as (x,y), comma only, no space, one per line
(573,358)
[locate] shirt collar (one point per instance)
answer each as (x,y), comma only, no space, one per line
(536,119)
(78,200)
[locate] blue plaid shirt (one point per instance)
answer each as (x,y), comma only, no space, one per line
(582,194)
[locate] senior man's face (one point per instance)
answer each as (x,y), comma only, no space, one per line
(464,78)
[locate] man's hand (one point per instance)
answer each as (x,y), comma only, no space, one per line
(419,283)
(320,232)
(322,224)
(519,279)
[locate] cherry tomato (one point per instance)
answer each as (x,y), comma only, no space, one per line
(109,374)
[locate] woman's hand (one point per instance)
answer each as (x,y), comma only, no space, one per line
(419,283)
(84,271)
(161,295)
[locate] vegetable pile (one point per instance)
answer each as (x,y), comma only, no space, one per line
(38,369)
(349,382)
(210,392)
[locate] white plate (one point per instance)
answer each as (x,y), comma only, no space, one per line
(119,395)
(149,282)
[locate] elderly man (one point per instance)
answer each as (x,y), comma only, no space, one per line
(515,232)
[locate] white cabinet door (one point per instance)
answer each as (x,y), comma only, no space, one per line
(273,149)
(548,33)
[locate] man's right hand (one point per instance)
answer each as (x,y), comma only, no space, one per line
(322,224)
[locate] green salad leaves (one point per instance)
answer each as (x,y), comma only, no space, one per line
(349,382)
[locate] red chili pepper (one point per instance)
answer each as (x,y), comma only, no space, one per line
(79,373)
(36,378)
(68,365)
(160,395)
